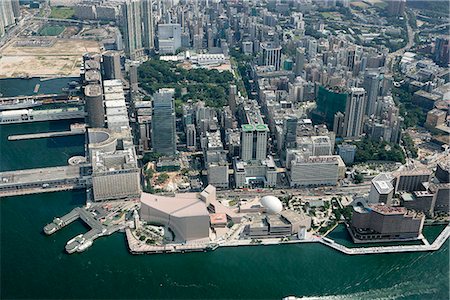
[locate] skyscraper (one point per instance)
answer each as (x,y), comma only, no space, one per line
(299,61)
(111,65)
(254,142)
(232,98)
(132,28)
(354,112)
(148,38)
(372,85)
(7,17)
(163,122)
(396,7)
(271,55)
(442,51)
(290,132)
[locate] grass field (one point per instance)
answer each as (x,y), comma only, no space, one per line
(59,12)
(51,30)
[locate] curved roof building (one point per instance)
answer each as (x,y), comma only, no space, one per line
(272,204)
(185,214)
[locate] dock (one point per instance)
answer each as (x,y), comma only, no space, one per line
(72,131)
(41,180)
(82,241)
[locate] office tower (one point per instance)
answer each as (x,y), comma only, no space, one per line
(396,7)
(218,174)
(148,38)
(93,97)
(299,61)
(354,112)
(254,142)
(330,100)
(132,28)
(372,86)
(338,124)
(169,38)
(351,53)
(290,132)
(133,73)
(163,122)
(312,48)
(410,181)
(232,98)
(191,136)
(7,17)
(442,51)
(347,153)
(111,65)
(271,55)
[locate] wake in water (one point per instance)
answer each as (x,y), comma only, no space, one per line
(398,291)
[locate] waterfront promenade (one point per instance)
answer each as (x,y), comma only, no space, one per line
(138,247)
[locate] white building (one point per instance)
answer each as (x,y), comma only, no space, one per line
(314,170)
(169,38)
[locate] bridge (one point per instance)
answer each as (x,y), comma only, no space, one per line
(66,21)
(41,180)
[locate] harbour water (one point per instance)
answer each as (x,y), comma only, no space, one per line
(35,266)
(11,87)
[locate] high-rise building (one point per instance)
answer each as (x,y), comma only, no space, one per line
(290,132)
(254,142)
(191,137)
(330,100)
(148,38)
(232,98)
(299,61)
(163,122)
(7,17)
(354,112)
(396,7)
(169,38)
(93,97)
(132,28)
(312,48)
(372,86)
(347,153)
(442,51)
(338,124)
(111,65)
(271,55)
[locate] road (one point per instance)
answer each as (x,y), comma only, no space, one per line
(391,56)
(345,190)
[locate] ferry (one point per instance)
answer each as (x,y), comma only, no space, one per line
(18,104)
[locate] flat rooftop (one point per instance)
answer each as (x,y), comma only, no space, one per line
(39,175)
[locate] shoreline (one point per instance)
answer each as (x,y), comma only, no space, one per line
(136,247)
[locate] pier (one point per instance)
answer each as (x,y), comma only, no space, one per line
(41,180)
(82,241)
(74,130)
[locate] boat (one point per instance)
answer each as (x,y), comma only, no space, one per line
(84,246)
(19,104)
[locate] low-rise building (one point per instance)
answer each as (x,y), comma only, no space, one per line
(382,223)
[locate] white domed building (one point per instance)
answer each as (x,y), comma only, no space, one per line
(272,204)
